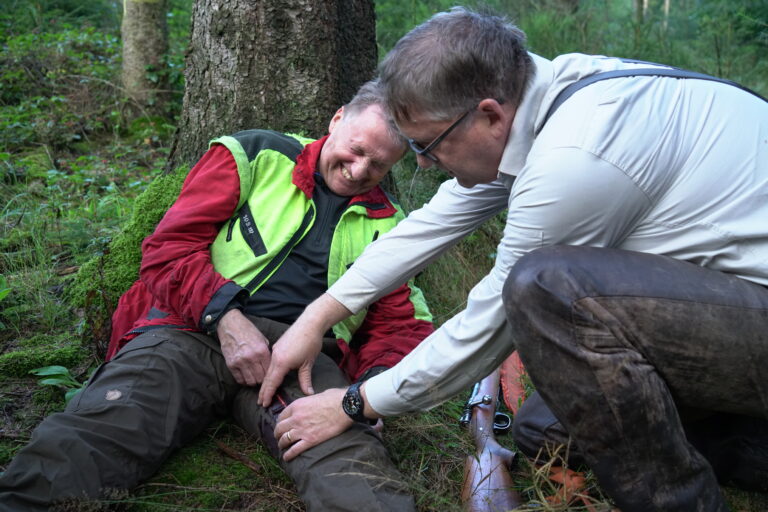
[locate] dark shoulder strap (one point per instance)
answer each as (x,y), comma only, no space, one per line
(619,73)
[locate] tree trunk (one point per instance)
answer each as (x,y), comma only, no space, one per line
(639,11)
(285,65)
(145,45)
(571,6)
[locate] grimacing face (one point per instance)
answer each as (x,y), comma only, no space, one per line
(359,151)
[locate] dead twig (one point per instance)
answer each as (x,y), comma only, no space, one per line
(230,452)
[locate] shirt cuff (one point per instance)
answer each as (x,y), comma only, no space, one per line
(229,296)
(383,398)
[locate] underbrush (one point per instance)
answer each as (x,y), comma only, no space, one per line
(71,165)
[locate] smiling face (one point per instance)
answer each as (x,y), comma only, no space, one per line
(472,151)
(359,151)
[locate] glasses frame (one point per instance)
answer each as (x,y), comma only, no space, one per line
(426,152)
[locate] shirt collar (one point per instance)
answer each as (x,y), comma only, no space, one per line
(521,134)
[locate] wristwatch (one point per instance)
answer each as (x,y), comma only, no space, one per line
(353,404)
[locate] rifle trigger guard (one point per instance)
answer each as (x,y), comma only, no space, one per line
(501,423)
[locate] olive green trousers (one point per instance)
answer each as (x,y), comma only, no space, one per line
(156,395)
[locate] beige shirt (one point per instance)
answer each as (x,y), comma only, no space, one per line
(676,167)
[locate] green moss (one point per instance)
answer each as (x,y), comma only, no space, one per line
(201,476)
(40,351)
(49,398)
(36,162)
(8,449)
(99,283)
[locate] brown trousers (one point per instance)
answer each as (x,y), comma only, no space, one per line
(623,347)
(157,394)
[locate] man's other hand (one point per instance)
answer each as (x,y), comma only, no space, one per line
(298,347)
(245,349)
(310,421)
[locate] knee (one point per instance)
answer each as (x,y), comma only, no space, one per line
(542,287)
(536,278)
(561,272)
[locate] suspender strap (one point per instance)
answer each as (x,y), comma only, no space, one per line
(619,73)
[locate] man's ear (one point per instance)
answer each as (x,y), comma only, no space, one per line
(498,116)
(335,119)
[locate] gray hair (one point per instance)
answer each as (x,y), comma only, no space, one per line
(454,60)
(369,94)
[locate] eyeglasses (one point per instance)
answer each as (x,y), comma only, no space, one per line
(426,152)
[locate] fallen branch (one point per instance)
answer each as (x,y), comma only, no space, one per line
(240,457)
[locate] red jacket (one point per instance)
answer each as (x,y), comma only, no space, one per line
(178,279)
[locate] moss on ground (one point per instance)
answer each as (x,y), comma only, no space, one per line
(102,280)
(201,476)
(41,350)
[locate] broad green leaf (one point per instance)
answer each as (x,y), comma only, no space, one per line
(50,370)
(59,381)
(4,289)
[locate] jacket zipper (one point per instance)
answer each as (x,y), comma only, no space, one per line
(231,227)
(279,257)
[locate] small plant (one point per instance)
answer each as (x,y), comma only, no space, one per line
(4,289)
(61,377)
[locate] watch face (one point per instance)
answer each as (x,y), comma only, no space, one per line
(352,403)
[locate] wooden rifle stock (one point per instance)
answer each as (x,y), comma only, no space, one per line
(488,484)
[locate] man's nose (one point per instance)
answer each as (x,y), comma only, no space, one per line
(359,169)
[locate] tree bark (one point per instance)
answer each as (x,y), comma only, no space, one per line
(639,11)
(145,44)
(285,65)
(571,6)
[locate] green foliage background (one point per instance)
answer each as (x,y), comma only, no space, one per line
(81,184)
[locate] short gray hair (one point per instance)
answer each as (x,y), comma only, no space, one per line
(454,60)
(369,94)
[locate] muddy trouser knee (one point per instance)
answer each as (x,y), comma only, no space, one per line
(154,396)
(351,472)
(618,343)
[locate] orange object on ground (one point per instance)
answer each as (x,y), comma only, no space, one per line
(512,382)
(573,486)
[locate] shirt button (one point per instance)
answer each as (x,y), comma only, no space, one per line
(208,319)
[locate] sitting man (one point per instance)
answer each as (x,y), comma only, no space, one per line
(265,222)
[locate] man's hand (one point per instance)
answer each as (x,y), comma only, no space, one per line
(245,349)
(298,347)
(310,421)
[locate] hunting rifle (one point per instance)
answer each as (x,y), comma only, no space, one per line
(488,485)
